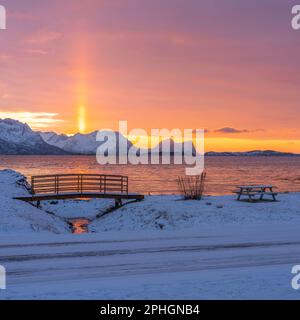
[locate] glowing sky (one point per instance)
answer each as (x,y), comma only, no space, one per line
(229,66)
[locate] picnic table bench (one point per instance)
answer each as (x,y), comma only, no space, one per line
(255,192)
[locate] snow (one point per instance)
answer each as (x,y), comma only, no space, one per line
(18,138)
(171,212)
(85,143)
(160,248)
(165,212)
(231,262)
(86,208)
(19,217)
(170,146)
(17,132)
(54,139)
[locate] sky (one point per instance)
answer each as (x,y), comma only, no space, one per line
(230,67)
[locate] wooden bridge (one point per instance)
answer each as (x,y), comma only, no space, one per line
(74,186)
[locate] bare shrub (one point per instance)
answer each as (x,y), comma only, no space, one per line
(192,187)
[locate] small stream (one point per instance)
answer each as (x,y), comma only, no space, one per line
(79,225)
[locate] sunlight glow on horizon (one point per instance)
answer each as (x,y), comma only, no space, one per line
(36,120)
(155,70)
(223,144)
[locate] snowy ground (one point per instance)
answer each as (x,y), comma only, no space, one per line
(88,208)
(171,212)
(154,213)
(22,218)
(161,248)
(211,263)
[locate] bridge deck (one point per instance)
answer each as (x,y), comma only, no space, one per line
(54,196)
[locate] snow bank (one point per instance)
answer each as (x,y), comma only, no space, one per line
(17,217)
(171,212)
(86,208)
(154,213)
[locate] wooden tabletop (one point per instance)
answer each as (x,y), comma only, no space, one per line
(255,186)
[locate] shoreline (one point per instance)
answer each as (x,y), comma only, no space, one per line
(156,212)
(223,173)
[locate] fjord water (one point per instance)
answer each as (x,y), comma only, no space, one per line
(223,173)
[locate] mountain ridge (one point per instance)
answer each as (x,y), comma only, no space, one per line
(18,138)
(176,146)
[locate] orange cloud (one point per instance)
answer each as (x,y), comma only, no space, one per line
(36,51)
(35,120)
(43,37)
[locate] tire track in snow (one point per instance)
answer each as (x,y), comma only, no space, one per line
(103,253)
(73,243)
(97,272)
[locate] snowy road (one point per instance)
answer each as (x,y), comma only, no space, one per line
(219,263)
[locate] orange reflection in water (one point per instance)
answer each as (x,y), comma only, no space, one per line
(80,226)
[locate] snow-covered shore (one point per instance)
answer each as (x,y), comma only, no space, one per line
(171,212)
(16,217)
(154,213)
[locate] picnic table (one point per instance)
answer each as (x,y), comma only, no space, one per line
(255,192)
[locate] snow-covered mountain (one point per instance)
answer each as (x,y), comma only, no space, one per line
(18,138)
(54,139)
(86,143)
(175,147)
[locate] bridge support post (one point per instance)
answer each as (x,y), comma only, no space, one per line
(118,203)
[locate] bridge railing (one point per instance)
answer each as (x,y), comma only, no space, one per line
(79,183)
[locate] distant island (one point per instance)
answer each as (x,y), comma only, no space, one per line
(254,153)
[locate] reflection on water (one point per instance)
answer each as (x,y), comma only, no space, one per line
(79,225)
(223,173)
